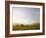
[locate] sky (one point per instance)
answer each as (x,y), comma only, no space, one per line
(24,15)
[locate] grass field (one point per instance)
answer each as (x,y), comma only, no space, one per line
(35,26)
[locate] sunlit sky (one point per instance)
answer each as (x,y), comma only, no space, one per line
(22,15)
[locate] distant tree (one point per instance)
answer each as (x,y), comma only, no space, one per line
(22,25)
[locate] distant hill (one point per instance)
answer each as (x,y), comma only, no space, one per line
(27,24)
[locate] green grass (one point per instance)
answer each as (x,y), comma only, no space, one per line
(26,27)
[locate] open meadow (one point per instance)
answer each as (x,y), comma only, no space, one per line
(35,26)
